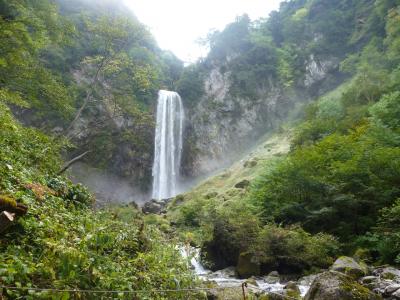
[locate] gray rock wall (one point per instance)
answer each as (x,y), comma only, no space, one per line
(223,125)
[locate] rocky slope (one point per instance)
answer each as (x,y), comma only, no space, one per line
(224,125)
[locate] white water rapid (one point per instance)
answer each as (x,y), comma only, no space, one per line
(167,145)
(227,277)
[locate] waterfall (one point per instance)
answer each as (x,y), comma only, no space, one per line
(167,145)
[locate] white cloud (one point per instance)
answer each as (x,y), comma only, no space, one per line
(177,24)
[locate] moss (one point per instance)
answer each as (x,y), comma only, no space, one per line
(357,291)
(389,276)
(293,294)
(246,267)
(178,200)
(7,201)
(211,195)
(11,205)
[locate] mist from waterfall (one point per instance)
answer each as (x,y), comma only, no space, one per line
(167,145)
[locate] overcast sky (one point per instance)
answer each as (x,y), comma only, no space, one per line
(177,24)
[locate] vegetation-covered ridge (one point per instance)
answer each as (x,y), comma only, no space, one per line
(85,73)
(337,189)
(88,71)
(59,242)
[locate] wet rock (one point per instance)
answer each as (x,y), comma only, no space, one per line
(274,274)
(250,164)
(273,296)
(229,272)
(218,253)
(379,286)
(292,286)
(272,277)
(242,184)
(392,288)
(307,280)
(349,266)
(332,285)
(387,273)
(155,206)
(369,279)
(396,294)
(252,281)
(246,267)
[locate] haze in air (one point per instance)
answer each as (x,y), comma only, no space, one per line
(179,25)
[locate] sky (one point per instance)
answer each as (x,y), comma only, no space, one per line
(178,24)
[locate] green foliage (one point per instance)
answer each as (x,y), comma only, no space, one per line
(26,28)
(387,111)
(294,250)
(24,151)
(190,85)
(387,234)
(60,243)
(343,167)
(228,229)
(71,60)
(336,185)
(62,246)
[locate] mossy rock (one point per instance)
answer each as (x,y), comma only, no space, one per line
(8,203)
(211,195)
(250,163)
(350,267)
(246,267)
(242,184)
(334,285)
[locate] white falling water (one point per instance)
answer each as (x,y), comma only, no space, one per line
(168,145)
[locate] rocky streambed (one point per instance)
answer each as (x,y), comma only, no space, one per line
(347,279)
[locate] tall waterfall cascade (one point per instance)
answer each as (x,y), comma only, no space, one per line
(167,145)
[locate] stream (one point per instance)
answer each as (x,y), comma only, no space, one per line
(228,278)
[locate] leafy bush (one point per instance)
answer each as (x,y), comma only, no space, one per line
(383,243)
(60,243)
(61,246)
(291,250)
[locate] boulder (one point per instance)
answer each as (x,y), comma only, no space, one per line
(349,266)
(292,286)
(246,267)
(219,254)
(396,294)
(252,281)
(242,184)
(369,280)
(332,285)
(227,272)
(307,280)
(250,164)
(389,290)
(155,206)
(274,273)
(389,273)
(272,277)
(379,286)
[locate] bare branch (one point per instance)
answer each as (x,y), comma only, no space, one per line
(71,162)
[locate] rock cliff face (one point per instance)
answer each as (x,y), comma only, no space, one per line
(222,125)
(120,140)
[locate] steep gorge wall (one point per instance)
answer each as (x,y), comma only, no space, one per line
(257,74)
(222,125)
